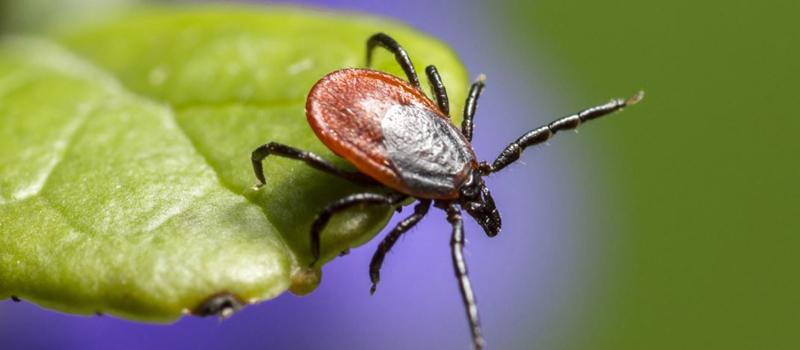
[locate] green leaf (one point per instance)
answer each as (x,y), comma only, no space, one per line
(125,179)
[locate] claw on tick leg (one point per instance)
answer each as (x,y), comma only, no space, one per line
(222,304)
(635,98)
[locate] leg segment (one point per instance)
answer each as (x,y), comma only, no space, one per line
(385,41)
(388,242)
(438,89)
(309,158)
(460,266)
(470,106)
(343,204)
(543,133)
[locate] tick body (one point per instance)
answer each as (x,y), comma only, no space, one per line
(400,139)
(390,131)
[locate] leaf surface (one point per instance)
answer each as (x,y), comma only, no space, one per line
(125,177)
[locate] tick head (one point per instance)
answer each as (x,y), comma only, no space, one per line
(476,199)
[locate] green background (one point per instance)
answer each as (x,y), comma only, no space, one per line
(705,251)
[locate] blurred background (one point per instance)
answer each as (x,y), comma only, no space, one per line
(673,225)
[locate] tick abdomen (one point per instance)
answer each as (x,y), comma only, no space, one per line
(428,153)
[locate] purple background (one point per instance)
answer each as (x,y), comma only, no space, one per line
(530,280)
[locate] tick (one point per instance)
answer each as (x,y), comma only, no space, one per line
(400,139)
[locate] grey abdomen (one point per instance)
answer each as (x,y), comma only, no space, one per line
(429,154)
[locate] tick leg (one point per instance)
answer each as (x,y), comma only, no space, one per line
(460,266)
(541,134)
(341,205)
(438,89)
(309,158)
(385,41)
(471,105)
(388,242)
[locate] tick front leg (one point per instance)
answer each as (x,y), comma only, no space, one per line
(541,134)
(460,266)
(439,91)
(385,41)
(341,205)
(388,242)
(471,105)
(309,158)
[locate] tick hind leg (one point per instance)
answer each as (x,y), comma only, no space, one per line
(388,242)
(341,205)
(460,267)
(274,148)
(385,41)
(513,151)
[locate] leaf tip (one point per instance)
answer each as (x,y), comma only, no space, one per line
(305,280)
